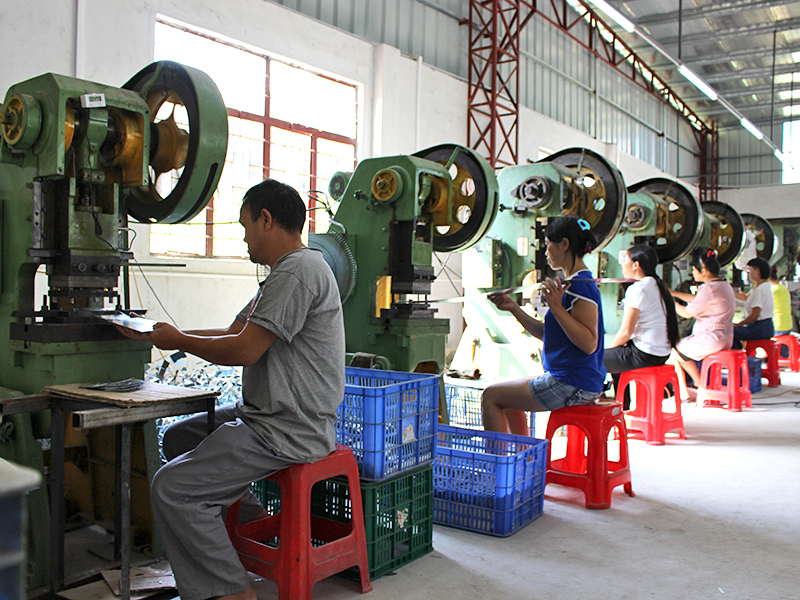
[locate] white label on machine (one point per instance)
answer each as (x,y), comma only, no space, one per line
(93,100)
(523,243)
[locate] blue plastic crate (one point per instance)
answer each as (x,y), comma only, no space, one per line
(753,371)
(389,420)
(464,406)
(488,482)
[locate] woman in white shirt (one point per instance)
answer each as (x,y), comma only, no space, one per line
(758,306)
(649,324)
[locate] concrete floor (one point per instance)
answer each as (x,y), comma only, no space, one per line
(715,516)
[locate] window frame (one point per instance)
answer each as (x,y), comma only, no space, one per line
(267,123)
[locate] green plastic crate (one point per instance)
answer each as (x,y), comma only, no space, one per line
(398,515)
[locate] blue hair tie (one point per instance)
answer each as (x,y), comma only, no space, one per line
(584,225)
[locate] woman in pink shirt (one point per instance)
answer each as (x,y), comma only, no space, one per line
(712,309)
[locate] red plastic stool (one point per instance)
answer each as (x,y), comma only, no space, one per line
(736,392)
(771,348)
(648,419)
(295,565)
(586,465)
(793,362)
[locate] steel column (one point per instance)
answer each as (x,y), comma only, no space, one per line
(494,53)
(708,186)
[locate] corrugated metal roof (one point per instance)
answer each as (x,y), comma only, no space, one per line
(747,50)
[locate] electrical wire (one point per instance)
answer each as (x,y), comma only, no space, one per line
(164,308)
(130,245)
(141,303)
(447,270)
(795,402)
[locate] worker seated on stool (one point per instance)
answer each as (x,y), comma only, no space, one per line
(758,306)
(649,323)
(712,309)
(572,334)
(782,308)
(290,341)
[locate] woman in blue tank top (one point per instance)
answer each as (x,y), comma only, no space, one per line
(572,336)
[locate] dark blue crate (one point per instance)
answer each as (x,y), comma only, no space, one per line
(464,406)
(488,482)
(389,420)
(753,371)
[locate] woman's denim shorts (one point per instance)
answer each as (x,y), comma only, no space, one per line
(552,394)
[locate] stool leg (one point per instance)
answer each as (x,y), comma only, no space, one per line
(292,579)
(576,460)
(358,528)
(772,368)
(735,382)
(623,459)
(598,495)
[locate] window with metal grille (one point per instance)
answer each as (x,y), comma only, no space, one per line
(284,122)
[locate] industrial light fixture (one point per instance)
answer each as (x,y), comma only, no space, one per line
(786,160)
(698,83)
(612,12)
(752,129)
(630,27)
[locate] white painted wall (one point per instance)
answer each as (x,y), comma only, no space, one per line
(769,202)
(109,40)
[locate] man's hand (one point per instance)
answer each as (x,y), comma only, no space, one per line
(136,336)
(163,336)
(166,337)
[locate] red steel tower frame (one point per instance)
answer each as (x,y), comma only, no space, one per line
(494,57)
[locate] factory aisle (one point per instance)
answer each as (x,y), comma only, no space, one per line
(715,516)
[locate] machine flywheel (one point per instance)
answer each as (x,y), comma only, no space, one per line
(679,217)
(474,202)
(731,235)
(766,239)
(604,199)
(189,140)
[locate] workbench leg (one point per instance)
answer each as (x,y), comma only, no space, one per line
(122,510)
(57,498)
(212,422)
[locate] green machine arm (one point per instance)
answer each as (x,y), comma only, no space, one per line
(574,181)
(661,213)
(76,157)
(394,213)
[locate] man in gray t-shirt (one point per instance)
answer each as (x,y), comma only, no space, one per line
(290,341)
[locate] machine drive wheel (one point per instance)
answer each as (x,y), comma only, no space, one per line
(731,238)
(189,140)
(604,199)
(679,217)
(766,240)
(474,202)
